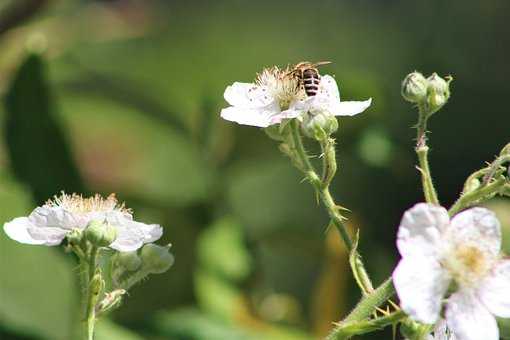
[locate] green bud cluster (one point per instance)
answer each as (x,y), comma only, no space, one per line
(430,93)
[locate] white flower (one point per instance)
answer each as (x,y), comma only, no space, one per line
(48,225)
(276,95)
(436,252)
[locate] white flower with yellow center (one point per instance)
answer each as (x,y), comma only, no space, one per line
(437,252)
(276,95)
(48,225)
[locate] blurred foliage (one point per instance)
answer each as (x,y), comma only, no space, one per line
(124,96)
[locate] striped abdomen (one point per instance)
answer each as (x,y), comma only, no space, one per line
(311,80)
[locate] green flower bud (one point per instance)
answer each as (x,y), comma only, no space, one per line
(100,234)
(128,260)
(438,92)
(156,259)
(505,151)
(414,87)
(472,185)
(74,237)
(320,125)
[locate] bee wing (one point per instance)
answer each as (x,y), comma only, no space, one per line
(247,95)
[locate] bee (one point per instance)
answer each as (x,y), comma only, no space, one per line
(308,76)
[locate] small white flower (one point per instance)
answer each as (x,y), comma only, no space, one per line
(436,252)
(48,225)
(276,95)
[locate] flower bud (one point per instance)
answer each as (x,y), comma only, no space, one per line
(128,260)
(438,92)
(100,234)
(156,259)
(319,125)
(472,185)
(74,237)
(414,87)
(505,151)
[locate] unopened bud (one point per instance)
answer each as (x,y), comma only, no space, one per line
(100,234)
(505,151)
(156,259)
(438,92)
(74,237)
(472,185)
(128,260)
(320,125)
(414,87)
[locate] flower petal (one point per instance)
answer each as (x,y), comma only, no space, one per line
(468,318)
(494,291)
(420,283)
(55,217)
(17,229)
(328,90)
(477,226)
(247,95)
(260,117)
(350,108)
(152,232)
(442,331)
(128,238)
(49,236)
(421,228)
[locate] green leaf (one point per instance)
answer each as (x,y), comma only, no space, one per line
(38,291)
(36,144)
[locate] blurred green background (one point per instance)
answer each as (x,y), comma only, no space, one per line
(124,96)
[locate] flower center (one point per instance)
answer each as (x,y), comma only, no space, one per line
(281,84)
(77,204)
(467,264)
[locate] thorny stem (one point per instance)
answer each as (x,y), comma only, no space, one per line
(422,151)
(365,308)
(470,198)
(322,187)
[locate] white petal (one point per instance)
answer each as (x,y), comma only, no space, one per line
(442,331)
(478,226)
(420,283)
(152,232)
(350,108)
(468,318)
(54,217)
(246,95)
(421,228)
(128,239)
(17,229)
(494,291)
(48,235)
(260,117)
(328,90)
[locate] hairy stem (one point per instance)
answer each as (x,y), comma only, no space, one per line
(422,151)
(476,196)
(365,308)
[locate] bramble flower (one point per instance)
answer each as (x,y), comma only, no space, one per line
(50,224)
(276,95)
(437,252)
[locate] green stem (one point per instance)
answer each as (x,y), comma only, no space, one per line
(91,295)
(422,151)
(473,197)
(347,330)
(322,188)
(365,307)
